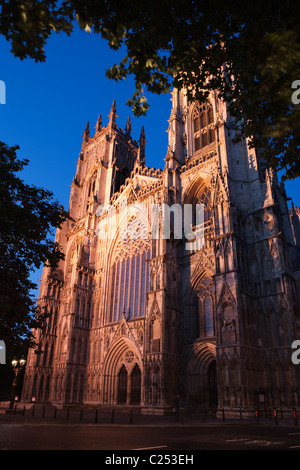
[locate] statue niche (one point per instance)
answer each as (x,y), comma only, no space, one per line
(228,327)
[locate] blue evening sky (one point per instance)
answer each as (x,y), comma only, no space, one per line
(48,105)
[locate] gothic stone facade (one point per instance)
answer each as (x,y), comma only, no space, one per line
(154,320)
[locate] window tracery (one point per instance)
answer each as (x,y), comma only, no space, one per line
(201,222)
(200,321)
(204,130)
(129,280)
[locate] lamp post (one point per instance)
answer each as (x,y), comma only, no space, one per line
(17,365)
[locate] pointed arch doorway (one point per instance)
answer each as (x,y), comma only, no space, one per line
(122,374)
(212,385)
(201,383)
(122,386)
(136,386)
(129,386)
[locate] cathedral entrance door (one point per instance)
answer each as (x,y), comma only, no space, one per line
(212,384)
(136,386)
(122,386)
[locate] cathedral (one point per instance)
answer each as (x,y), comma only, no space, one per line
(142,312)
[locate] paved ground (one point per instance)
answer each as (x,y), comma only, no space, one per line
(124,437)
(46,430)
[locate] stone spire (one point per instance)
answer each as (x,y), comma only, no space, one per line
(142,140)
(99,123)
(128,127)
(113,115)
(141,150)
(86,134)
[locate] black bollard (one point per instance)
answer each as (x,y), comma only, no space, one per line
(295,417)
(181,415)
(275,416)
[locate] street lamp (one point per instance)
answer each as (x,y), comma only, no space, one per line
(17,365)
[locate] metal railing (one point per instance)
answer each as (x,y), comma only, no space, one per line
(119,415)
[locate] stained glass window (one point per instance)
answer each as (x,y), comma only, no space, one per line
(137,287)
(208,313)
(132,285)
(116,291)
(129,285)
(204,132)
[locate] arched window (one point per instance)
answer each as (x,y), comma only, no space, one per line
(200,217)
(51,355)
(49,320)
(41,389)
(200,313)
(45,357)
(154,335)
(208,316)
(204,131)
(129,284)
(129,272)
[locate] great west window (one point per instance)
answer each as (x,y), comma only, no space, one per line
(129,284)
(129,276)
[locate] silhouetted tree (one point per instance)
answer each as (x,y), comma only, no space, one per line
(28,215)
(249,52)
